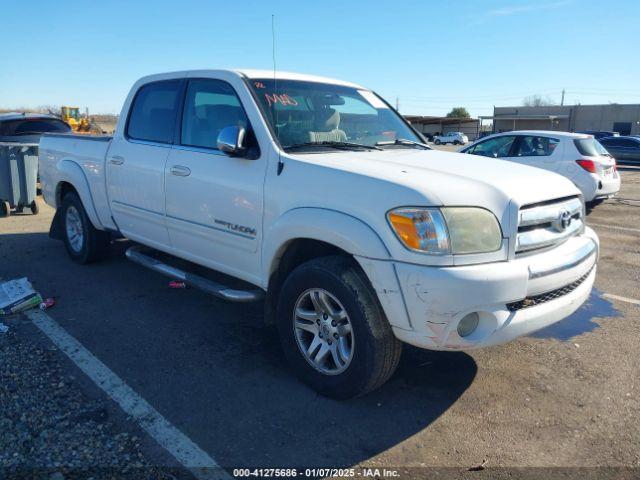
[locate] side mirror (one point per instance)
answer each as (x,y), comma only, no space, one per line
(231,141)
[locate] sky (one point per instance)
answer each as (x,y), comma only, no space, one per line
(429,55)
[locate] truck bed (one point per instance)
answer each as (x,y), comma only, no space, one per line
(79,160)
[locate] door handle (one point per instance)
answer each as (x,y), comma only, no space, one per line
(116,160)
(180,171)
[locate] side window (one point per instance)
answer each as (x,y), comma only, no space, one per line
(628,143)
(210,106)
(536,146)
(494,147)
(153,112)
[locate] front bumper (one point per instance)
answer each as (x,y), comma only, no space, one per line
(511,298)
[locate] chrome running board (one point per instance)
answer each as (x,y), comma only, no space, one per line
(216,289)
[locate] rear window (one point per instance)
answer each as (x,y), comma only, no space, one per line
(153,112)
(590,147)
(32,126)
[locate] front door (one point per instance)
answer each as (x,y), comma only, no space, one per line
(136,164)
(214,201)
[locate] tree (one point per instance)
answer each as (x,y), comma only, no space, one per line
(458,112)
(537,101)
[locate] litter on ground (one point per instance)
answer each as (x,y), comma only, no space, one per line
(18,295)
(47,303)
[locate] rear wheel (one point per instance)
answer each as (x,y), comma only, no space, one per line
(5,209)
(333,330)
(34,207)
(437,142)
(84,243)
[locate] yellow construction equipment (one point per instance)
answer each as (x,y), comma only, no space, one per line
(78,123)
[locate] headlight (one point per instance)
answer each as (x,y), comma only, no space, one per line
(472,230)
(420,229)
(457,230)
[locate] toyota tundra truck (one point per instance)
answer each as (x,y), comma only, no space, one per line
(315,197)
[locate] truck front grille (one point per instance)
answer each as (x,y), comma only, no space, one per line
(547,224)
(548,296)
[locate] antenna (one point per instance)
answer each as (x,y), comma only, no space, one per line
(275,86)
(273,44)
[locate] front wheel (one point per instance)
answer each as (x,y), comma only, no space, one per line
(457,142)
(84,243)
(34,207)
(333,330)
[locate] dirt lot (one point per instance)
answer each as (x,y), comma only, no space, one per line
(566,397)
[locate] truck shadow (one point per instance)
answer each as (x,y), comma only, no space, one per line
(247,408)
(216,371)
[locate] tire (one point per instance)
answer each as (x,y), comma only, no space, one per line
(5,209)
(437,141)
(35,209)
(93,243)
(456,142)
(374,351)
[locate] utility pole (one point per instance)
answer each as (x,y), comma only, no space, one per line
(397,104)
(562,100)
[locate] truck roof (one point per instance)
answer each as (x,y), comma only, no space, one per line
(280,75)
(250,73)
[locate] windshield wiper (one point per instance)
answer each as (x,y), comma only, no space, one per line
(404,141)
(338,145)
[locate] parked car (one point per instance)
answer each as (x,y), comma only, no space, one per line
(456,138)
(428,137)
(29,127)
(598,134)
(623,149)
(320,199)
(578,157)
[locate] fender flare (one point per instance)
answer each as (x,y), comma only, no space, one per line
(336,228)
(351,235)
(70,172)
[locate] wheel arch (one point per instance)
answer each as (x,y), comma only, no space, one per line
(306,233)
(73,178)
(340,230)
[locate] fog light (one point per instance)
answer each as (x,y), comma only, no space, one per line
(468,324)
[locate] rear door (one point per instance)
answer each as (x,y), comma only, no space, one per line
(136,163)
(214,201)
(538,151)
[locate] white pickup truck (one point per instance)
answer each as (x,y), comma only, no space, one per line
(324,203)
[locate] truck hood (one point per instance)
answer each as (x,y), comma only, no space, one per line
(447,178)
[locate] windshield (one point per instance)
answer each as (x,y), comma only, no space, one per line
(590,147)
(323,115)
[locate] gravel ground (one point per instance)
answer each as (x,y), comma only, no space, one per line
(50,428)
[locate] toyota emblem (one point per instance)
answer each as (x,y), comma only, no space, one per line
(564,220)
